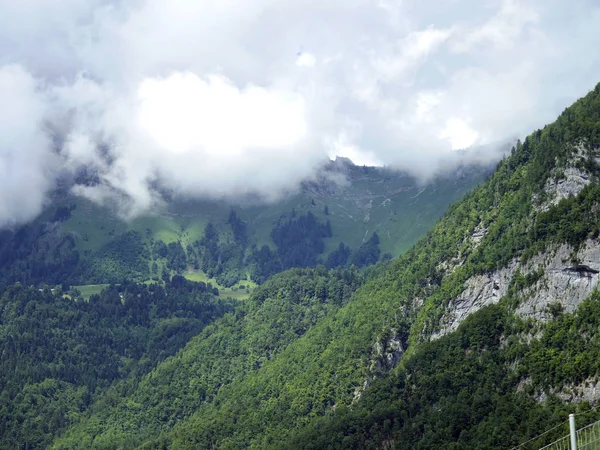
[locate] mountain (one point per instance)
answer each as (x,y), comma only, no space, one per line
(128,295)
(485,334)
(345,215)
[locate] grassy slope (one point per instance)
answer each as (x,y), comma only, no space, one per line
(234,291)
(394,206)
(87,290)
(398,209)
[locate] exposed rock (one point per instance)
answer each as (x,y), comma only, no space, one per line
(477,235)
(588,391)
(387,444)
(360,389)
(562,282)
(566,182)
(481,290)
(558,188)
(541,397)
(523,384)
(386,354)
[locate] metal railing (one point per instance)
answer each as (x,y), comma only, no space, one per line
(586,438)
(563,443)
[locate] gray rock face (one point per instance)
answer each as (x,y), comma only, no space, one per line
(385,355)
(563,282)
(481,290)
(573,182)
(570,180)
(477,236)
(588,391)
(567,278)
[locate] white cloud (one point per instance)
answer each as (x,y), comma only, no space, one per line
(426,102)
(458,132)
(25,158)
(210,136)
(503,30)
(306,60)
(409,53)
(342,146)
(213,98)
(184,113)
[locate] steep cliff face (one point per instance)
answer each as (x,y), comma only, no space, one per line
(564,276)
(568,179)
(559,275)
(572,181)
(568,278)
(481,290)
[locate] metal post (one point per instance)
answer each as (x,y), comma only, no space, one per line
(572,431)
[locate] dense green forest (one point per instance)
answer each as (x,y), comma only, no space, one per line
(280,311)
(59,354)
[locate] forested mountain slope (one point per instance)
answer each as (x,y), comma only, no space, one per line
(347,215)
(469,340)
(58,355)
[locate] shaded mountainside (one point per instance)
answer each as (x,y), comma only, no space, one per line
(472,339)
(346,215)
(58,355)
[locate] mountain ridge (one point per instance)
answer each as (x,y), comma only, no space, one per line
(356,201)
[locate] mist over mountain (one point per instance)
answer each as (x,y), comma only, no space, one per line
(220,100)
(328,219)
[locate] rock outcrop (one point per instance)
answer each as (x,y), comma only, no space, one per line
(567,181)
(563,282)
(481,290)
(571,184)
(385,355)
(586,391)
(565,277)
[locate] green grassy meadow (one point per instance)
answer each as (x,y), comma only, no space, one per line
(234,292)
(87,290)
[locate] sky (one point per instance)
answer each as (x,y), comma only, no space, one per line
(225,98)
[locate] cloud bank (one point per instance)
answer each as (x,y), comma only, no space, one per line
(220,99)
